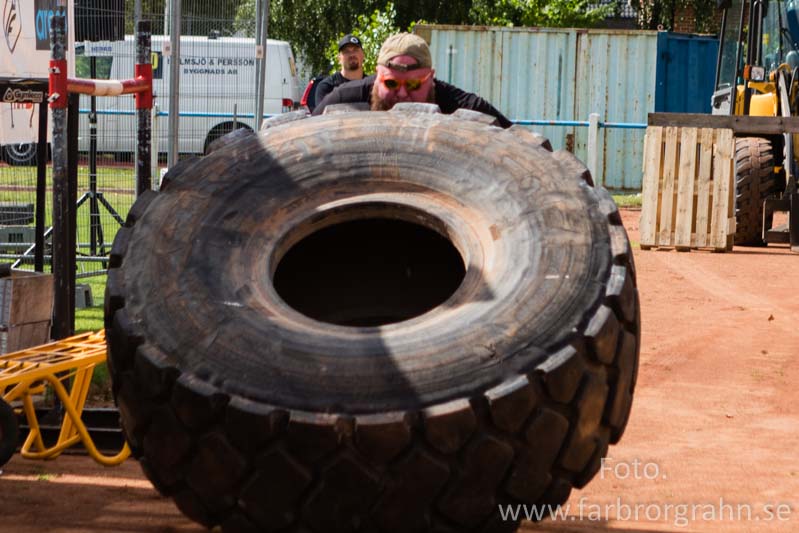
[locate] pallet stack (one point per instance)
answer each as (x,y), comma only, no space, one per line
(688,189)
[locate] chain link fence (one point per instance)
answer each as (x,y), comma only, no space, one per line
(217,78)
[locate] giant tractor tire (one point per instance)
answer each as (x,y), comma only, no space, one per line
(754,181)
(9,432)
(382,321)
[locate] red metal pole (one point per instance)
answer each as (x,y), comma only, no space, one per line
(58,84)
(144,77)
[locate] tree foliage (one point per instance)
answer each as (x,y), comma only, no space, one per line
(550,13)
(664,14)
(199,17)
(311,26)
(372,30)
(308,26)
(434,11)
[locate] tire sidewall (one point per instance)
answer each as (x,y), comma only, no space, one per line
(9,432)
(537,246)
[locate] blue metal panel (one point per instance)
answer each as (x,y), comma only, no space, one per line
(560,75)
(615,79)
(524,72)
(541,78)
(686,69)
(468,59)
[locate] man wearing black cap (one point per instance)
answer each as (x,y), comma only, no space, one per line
(405,74)
(350,56)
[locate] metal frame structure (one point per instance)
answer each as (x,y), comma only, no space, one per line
(66,366)
(63,101)
(34,91)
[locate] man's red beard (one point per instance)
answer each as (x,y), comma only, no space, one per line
(381,105)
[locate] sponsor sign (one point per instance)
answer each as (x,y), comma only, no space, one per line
(19,109)
(98,49)
(25,54)
(157,61)
(45,10)
(23,96)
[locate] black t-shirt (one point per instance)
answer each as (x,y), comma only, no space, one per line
(448,97)
(327,85)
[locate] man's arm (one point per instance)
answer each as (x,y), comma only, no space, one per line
(324,88)
(449,98)
(353,91)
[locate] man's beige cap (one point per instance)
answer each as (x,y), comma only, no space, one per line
(405,44)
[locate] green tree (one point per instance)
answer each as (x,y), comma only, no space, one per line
(199,17)
(309,26)
(548,13)
(663,14)
(435,11)
(372,30)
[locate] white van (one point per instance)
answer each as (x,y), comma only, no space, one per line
(217,90)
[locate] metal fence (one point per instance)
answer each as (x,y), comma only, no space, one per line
(560,75)
(216,63)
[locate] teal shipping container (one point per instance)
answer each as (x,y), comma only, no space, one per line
(560,75)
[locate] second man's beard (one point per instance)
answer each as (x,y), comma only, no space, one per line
(382,105)
(352,65)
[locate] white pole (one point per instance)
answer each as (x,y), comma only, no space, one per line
(593,148)
(174,82)
(154,175)
(166,18)
(262,22)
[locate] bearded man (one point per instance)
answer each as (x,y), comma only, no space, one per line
(350,57)
(405,74)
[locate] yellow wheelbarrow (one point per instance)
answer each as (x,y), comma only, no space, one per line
(66,366)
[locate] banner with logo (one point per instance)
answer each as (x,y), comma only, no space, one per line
(25,54)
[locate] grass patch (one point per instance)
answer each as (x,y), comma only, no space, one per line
(628,200)
(116,183)
(91,318)
(116,177)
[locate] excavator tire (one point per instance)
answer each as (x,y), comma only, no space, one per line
(9,432)
(754,181)
(381,321)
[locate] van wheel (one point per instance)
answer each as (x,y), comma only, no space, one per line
(9,432)
(20,154)
(220,130)
(381,321)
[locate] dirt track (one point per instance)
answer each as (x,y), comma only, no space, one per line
(711,444)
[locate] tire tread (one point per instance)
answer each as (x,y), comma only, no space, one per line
(533,437)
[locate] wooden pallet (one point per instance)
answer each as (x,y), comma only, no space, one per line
(688,188)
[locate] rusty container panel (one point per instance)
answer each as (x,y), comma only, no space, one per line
(469,58)
(616,78)
(559,75)
(540,80)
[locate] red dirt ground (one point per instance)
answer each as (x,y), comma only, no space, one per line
(711,444)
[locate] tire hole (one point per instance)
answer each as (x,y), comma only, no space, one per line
(369,272)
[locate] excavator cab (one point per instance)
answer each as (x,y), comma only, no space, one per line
(757,74)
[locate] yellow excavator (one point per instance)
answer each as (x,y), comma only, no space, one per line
(757,96)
